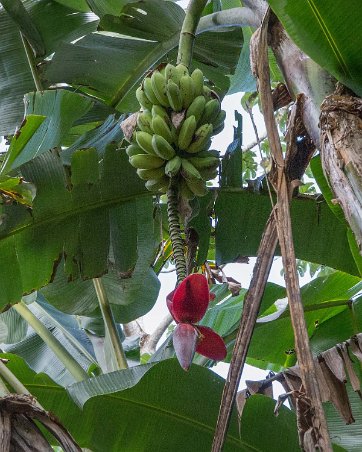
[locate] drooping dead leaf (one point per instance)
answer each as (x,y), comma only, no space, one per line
(19,431)
(355,383)
(338,392)
(335,363)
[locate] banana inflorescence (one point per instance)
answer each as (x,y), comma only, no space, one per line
(163,147)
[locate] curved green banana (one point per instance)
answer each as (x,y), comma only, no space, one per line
(134,149)
(196,108)
(143,99)
(146,161)
(147,88)
(174,96)
(144,119)
(160,127)
(187,90)
(144,141)
(153,173)
(209,162)
(212,109)
(201,139)
(173,166)
(160,111)
(158,185)
(198,78)
(162,148)
(186,133)
(188,171)
(158,82)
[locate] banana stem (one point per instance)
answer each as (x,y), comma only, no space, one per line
(188,31)
(175,231)
(110,324)
(61,352)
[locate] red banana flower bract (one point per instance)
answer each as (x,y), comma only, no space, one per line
(188,304)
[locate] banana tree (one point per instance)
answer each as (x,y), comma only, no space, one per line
(119,112)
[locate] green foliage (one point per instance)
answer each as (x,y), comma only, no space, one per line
(332,35)
(241,216)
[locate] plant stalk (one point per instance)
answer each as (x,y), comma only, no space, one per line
(32,64)
(12,380)
(188,31)
(110,324)
(175,231)
(61,353)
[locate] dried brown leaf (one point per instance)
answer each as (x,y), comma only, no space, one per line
(355,383)
(335,363)
(338,393)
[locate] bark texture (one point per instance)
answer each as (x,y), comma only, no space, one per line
(341,152)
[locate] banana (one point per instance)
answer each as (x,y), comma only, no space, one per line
(212,109)
(158,82)
(157,185)
(143,99)
(208,174)
(173,166)
(160,127)
(146,161)
(134,149)
(169,70)
(218,129)
(188,171)
(219,120)
(198,78)
(186,133)
(147,88)
(198,187)
(209,153)
(144,141)
(201,163)
(144,119)
(160,111)
(179,72)
(187,90)
(201,139)
(196,108)
(162,148)
(184,191)
(174,96)
(207,92)
(153,173)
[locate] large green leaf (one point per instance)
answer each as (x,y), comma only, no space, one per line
(131,285)
(329,35)
(347,436)
(318,236)
(40,357)
(60,108)
(169,406)
(56,24)
(73,213)
(316,167)
(325,301)
(278,433)
(136,44)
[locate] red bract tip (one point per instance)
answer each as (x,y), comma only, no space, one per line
(190,299)
(210,344)
(185,338)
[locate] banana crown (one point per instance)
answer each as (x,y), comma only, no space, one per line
(179,115)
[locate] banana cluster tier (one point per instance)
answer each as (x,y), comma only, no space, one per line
(179,115)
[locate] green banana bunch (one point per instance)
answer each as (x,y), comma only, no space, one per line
(163,147)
